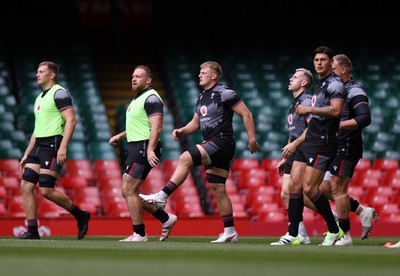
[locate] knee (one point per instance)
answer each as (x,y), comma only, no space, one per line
(185,160)
(45,192)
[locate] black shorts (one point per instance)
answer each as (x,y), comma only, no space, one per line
(289,163)
(221,152)
(319,156)
(44,153)
(345,162)
(136,165)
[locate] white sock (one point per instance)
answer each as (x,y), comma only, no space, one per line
(229,230)
(302,229)
(162,195)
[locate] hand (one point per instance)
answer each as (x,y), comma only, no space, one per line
(176,133)
(302,109)
(254,147)
(114,140)
(153,159)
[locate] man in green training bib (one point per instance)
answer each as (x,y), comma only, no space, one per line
(47,151)
(143,126)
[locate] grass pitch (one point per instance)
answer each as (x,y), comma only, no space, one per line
(179,256)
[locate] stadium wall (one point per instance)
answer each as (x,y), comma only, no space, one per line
(210,226)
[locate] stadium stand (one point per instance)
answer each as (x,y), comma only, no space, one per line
(96,68)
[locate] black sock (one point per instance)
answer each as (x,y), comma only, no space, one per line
(295,210)
(170,188)
(353,204)
(228,220)
(32,226)
(161,215)
(324,209)
(76,212)
(344,224)
(139,229)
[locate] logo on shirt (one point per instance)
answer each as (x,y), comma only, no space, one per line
(38,108)
(203,110)
(313,100)
(290,119)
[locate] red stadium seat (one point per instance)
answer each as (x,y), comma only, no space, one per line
(3,194)
(87,206)
(89,194)
(269,164)
(189,208)
(259,207)
(275,180)
(15,207)
(272,216)
(389,208)
(377,201)
(263,193)
(370,177)
(106,164)
(10,167)
(79,167)
(385,164)
(3,211)
(117,209)
(72,183)
(357,192)
(11,184)
(240,164)
(252,178)
(363,164)
(392,179)
(168,166)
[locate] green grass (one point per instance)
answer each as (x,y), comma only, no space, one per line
(181,256)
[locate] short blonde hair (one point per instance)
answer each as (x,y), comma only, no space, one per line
(307,74)
(343,60)
(212,65)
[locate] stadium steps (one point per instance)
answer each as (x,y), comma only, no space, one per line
(114,71)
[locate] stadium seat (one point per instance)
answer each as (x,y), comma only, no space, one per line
(363,164)
(72,183)
(269,164)
(80,167)
(10,167)
(260,207)
(249,179)
(263,194)
(370,177)
(240,164)
(48,209)
(377,201)
(274,179)
(3,194)
(392,179)
(11,184)
(385,164)
(389,208)
(117,209)
(191,207)
(15,207)
(168,166)
(102,164)
(3,211)
(88,206)
(357,192)
(89,194)
(272,216)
